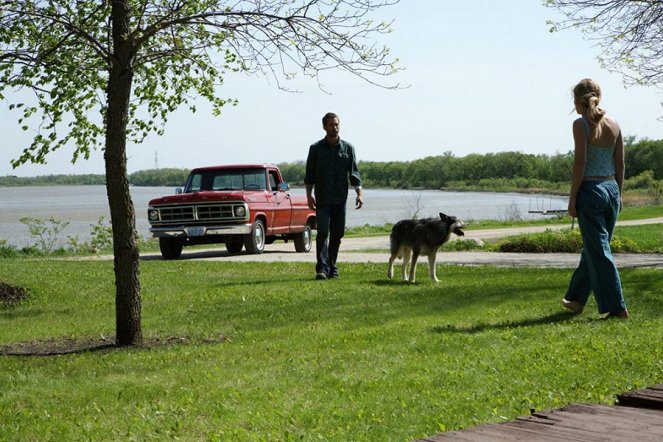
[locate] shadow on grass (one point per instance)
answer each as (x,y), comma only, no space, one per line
(68,346)
(544,320)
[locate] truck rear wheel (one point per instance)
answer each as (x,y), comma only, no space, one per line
(303,240)
(255,241)
(171,248)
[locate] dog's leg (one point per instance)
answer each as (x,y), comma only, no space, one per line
(390,267)
(431,266)
(407,253)
(413,266)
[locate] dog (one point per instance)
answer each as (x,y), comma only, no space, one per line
(412,237)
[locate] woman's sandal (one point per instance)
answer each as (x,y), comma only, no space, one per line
(573,306)
(619,315)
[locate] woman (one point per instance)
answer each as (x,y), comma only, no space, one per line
(595,199)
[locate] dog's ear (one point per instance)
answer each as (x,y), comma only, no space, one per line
(448,219)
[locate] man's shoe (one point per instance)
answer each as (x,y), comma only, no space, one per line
(332,276)
(321,275)
(573,306)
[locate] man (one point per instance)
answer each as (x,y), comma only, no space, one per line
(330,165)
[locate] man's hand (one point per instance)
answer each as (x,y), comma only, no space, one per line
(359,202)
(310,201)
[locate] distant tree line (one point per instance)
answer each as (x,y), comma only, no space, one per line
(513,169)
(159,177)
(152,177)
(498,171)
(52,180)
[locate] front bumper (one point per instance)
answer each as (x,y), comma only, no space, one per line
(199,231)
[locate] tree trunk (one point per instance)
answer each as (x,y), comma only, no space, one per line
(123,218)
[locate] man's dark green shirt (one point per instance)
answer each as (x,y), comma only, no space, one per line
(329,168)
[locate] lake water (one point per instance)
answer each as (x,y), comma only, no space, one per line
(82,206)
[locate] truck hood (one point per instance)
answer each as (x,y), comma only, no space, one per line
(200,197)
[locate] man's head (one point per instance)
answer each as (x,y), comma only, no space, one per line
(331,125)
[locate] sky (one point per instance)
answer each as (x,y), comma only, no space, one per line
(479,77)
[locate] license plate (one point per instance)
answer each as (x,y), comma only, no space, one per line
(195,231)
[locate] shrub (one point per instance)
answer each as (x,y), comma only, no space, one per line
(45,233)
(560,241)
(643,181)
(7,250)
(101,239)
(462,245)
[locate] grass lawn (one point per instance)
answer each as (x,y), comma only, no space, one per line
(272,355)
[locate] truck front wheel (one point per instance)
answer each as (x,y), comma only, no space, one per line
(234,245)
(303,240)
(255,241)
(171,248)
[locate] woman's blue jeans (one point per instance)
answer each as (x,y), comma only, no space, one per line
(598,207)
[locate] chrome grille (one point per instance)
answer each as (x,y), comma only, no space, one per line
(198,214)
(214,212)
(174,214)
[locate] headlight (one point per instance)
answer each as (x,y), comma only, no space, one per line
(153,214)
(240,211)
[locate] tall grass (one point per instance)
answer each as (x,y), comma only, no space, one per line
(266,353)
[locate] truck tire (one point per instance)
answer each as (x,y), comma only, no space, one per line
(303,240)
(234,245)
(255,241)
(171,248)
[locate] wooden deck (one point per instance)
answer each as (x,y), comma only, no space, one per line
(638,416)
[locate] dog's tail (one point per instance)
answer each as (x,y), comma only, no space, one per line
(394,245)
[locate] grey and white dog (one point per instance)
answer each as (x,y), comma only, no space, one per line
(414,237)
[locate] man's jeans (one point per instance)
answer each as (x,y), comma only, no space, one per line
(331,228)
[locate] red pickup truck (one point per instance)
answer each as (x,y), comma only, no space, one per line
(245,205)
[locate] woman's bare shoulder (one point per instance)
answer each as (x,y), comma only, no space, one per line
(612,123)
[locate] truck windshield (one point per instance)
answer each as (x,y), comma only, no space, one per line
(227,179)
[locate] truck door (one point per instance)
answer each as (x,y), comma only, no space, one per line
(282,205)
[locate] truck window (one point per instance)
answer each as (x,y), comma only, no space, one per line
(255,180)
(272,181)
(195,183)
(222,182)
(227,179)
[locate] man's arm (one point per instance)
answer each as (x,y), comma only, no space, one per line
(355,180)
(309,178)
(359,201)
(310,200)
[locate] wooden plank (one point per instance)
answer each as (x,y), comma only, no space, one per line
(638,417)
(651,397)
(501,433)
(622,422)
(574,422)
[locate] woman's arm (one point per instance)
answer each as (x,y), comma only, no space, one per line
(619,165)
(579,161)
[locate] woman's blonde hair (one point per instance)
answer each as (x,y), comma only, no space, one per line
(588,93)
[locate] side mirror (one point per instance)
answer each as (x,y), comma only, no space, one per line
(283,187)
(179,190)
